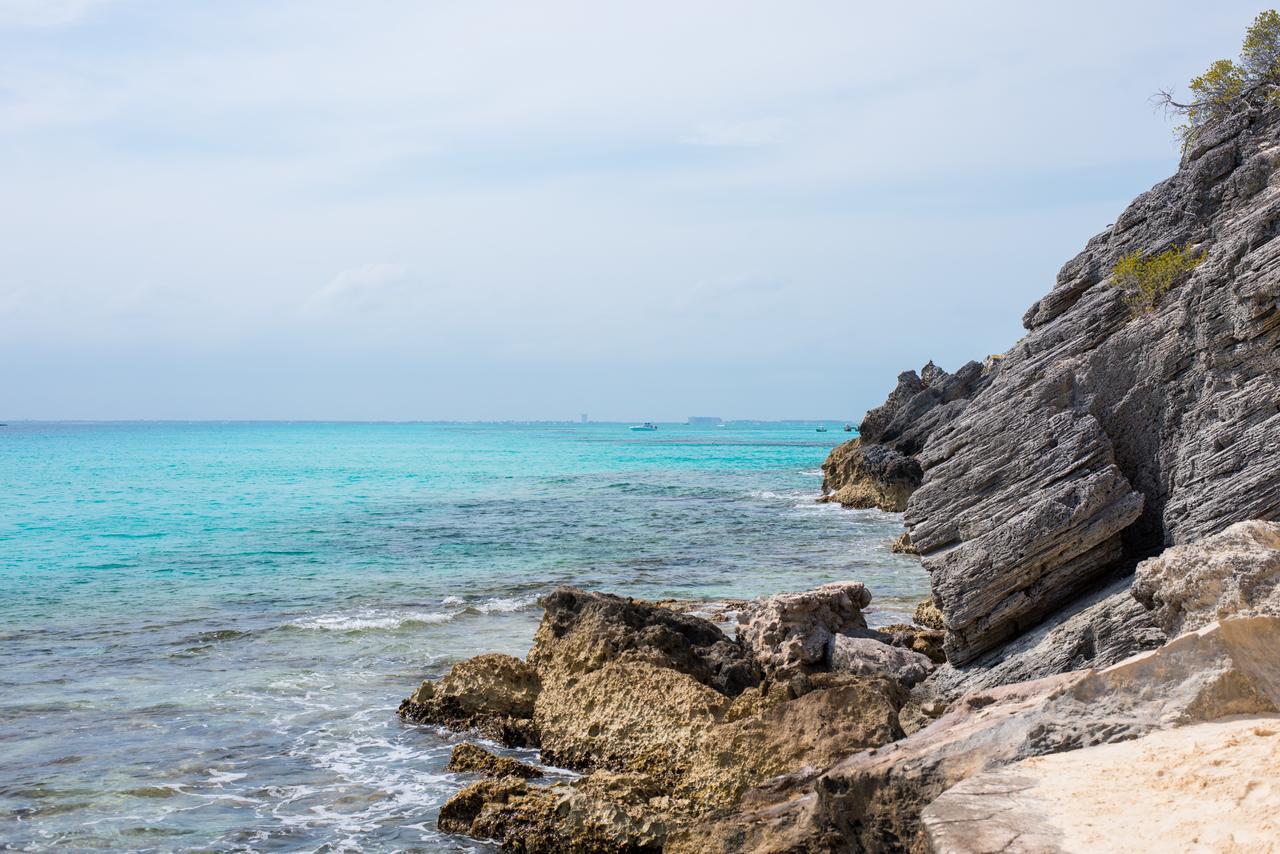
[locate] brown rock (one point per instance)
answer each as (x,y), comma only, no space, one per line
(816,729)
(493,694)
(471,758)
(626,716)
(873,799)
(928,615)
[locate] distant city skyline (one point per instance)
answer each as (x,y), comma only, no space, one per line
(482,211)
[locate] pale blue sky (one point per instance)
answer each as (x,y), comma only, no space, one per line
(478,210)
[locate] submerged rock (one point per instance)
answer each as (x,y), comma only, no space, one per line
(471,758)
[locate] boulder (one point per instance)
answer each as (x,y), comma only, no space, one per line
(493,694)
(473,759)
(1197,788)
(792,631)
(581,632)
(1236,571)
(870,657)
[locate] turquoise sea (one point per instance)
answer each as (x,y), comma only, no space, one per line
(205,629)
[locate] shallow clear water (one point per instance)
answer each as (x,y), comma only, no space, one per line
(205,629)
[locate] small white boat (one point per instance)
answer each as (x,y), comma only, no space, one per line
(648,425)
(822,428)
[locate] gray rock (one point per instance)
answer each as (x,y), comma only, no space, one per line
(1097,630)
(1107,435)
(879,469)
(870,657)
(794,630)
(1234,572)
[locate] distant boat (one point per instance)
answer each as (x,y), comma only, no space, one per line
(822,428)
(848,428)
(648,425)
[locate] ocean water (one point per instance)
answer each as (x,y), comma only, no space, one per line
(205,629)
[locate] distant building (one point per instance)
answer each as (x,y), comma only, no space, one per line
(705,420)
(583,418)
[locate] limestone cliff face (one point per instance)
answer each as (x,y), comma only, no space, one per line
(1107,434)
(879,468)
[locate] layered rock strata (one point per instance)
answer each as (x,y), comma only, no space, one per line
(1107,433)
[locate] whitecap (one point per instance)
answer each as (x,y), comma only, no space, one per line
(501,605)
(371,619)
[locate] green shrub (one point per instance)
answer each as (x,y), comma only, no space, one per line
(1146,278)
(1226,84)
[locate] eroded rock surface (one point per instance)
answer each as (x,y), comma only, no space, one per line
(1107,433)
(493,694)
(879,468)
(873,800)
(473,759)
(791,631)
(1234,572)
(669,718)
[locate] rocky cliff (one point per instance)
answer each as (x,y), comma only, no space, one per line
(1109,431)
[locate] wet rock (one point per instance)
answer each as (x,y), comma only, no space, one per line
(492,694)
(792,631)
(862,476)
(1236,571)
(1201,784)
(603,812)
(471,758)
(870,657)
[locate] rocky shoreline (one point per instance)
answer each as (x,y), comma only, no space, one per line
(1097,510)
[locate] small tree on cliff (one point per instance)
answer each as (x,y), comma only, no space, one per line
(1225,85)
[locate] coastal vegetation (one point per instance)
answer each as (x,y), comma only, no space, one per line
(1147,278)
(1227,84)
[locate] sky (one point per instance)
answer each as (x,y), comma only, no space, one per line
(477,210)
